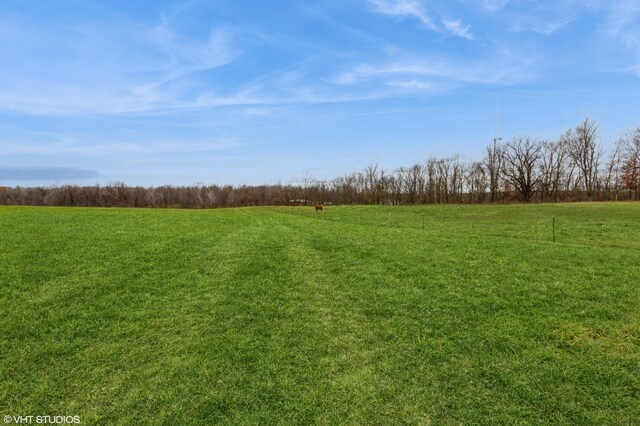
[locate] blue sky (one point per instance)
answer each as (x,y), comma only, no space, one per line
(244,91)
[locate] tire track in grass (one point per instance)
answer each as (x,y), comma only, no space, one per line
(285,331)
(353,382)
(279,345)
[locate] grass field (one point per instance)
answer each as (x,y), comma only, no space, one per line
(364,315)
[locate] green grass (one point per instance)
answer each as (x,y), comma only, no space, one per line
(358,316)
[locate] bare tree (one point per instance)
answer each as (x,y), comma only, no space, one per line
(553,158)
(413,183)
(493,163)
(611,179)
(396,186)
(520,166)
(585,151)
(477,182)
(371,174)
(431,184)
(443,170)
(456,184)
(630,171)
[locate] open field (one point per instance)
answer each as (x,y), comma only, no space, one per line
(417,315)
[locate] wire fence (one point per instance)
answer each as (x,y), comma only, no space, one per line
(550,227)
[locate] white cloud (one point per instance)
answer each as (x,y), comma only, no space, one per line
(494,5)
(413,85)
(622,23)
(78,145)
(491,71)
(189,55)
(404,8)
(541,18)
(621,15)
(415,9)
(551,26)
(456,28)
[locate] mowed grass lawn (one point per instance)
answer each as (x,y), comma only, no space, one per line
(364,315)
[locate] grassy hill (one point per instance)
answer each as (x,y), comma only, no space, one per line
(366,314)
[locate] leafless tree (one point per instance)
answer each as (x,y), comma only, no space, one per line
(456,184)
(493,162)
(585,152)
(520,165)
(630,170)
(443,171)
(431,180)
(611,178)
(477,182)
(553,159)
(371,175)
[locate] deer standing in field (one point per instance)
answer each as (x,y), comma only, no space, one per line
(319,208)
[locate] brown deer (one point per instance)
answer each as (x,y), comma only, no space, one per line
(319,208)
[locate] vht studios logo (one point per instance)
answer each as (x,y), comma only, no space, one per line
(42,420)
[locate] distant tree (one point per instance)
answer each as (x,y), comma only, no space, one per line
(396,186)
(431,180)
(456,185)
(611,179)
(630,172)
(585,151)
(520,165)
(477,182)
(414,180)
(553,159)
(493,164)
(443,182)
(371,177)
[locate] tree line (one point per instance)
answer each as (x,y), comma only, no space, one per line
(574,167)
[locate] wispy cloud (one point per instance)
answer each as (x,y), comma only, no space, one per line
(635,69)
(80,147)
(416,10)
(622,22)
(457,28)
(187,56)
(551,26)
(492,72)
(413,85)
(621,15)
(541,18)
(45,173)
(404,9)
(493,5)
